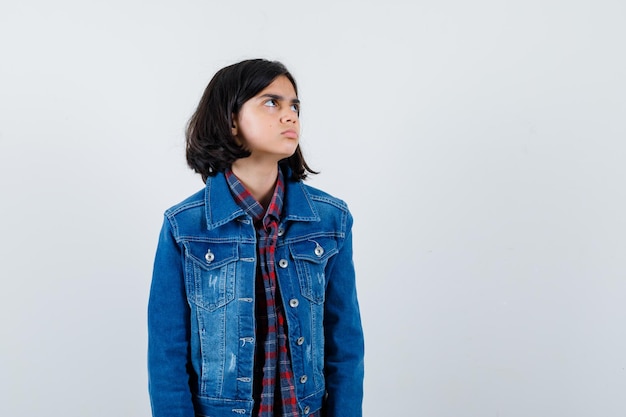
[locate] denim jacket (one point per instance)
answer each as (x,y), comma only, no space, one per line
(201,322)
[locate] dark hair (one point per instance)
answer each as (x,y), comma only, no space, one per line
(211,147)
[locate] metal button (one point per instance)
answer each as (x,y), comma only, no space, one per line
(209,256)
(294,302)
(300,341)
(319,251)
(281,231)
(303,379)
(283,263)
(307,409)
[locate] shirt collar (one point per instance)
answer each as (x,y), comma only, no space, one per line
(250,205)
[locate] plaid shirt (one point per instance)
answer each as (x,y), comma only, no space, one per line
(274,383)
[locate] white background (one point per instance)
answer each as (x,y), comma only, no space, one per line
(479,144)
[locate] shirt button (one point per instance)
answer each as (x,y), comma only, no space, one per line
(300,341)
(307,409)
(303,379)
(294,302)
(283,263)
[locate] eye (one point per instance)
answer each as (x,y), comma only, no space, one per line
(296,108)
(271,103)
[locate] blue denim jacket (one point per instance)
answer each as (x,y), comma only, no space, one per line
(201,323)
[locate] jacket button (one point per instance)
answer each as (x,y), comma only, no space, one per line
(283,263)
(209,256)
(319,251)
(300,341)
(307,409)
(281,231)
(303,379)
(294,302)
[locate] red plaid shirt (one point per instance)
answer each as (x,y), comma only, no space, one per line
(274,382)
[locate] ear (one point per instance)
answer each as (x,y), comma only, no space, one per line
(233,127)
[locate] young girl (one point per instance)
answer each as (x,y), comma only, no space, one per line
(253,308)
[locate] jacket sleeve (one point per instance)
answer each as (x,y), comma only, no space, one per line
(169,332)
(344,345)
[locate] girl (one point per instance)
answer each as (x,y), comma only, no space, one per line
(253,308)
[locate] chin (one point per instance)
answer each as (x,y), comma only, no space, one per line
(290,152)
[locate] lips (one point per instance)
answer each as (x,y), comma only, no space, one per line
(290,133)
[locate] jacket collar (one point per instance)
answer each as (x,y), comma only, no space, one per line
(221,207)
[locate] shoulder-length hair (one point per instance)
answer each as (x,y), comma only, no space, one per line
(211,147)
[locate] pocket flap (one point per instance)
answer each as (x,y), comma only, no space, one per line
(314,250)
(210,255)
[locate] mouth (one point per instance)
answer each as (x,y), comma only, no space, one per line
(290,133)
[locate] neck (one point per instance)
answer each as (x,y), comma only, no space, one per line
(260,181)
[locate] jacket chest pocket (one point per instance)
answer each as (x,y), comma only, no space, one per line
(311,257)
(211,273)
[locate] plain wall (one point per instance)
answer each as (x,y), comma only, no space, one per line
(480,146)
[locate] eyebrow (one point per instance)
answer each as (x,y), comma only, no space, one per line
(279,98)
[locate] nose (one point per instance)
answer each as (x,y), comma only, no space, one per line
(289,116)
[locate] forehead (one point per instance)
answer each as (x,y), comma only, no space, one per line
(280,86)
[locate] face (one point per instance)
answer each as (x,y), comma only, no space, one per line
(268,124)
